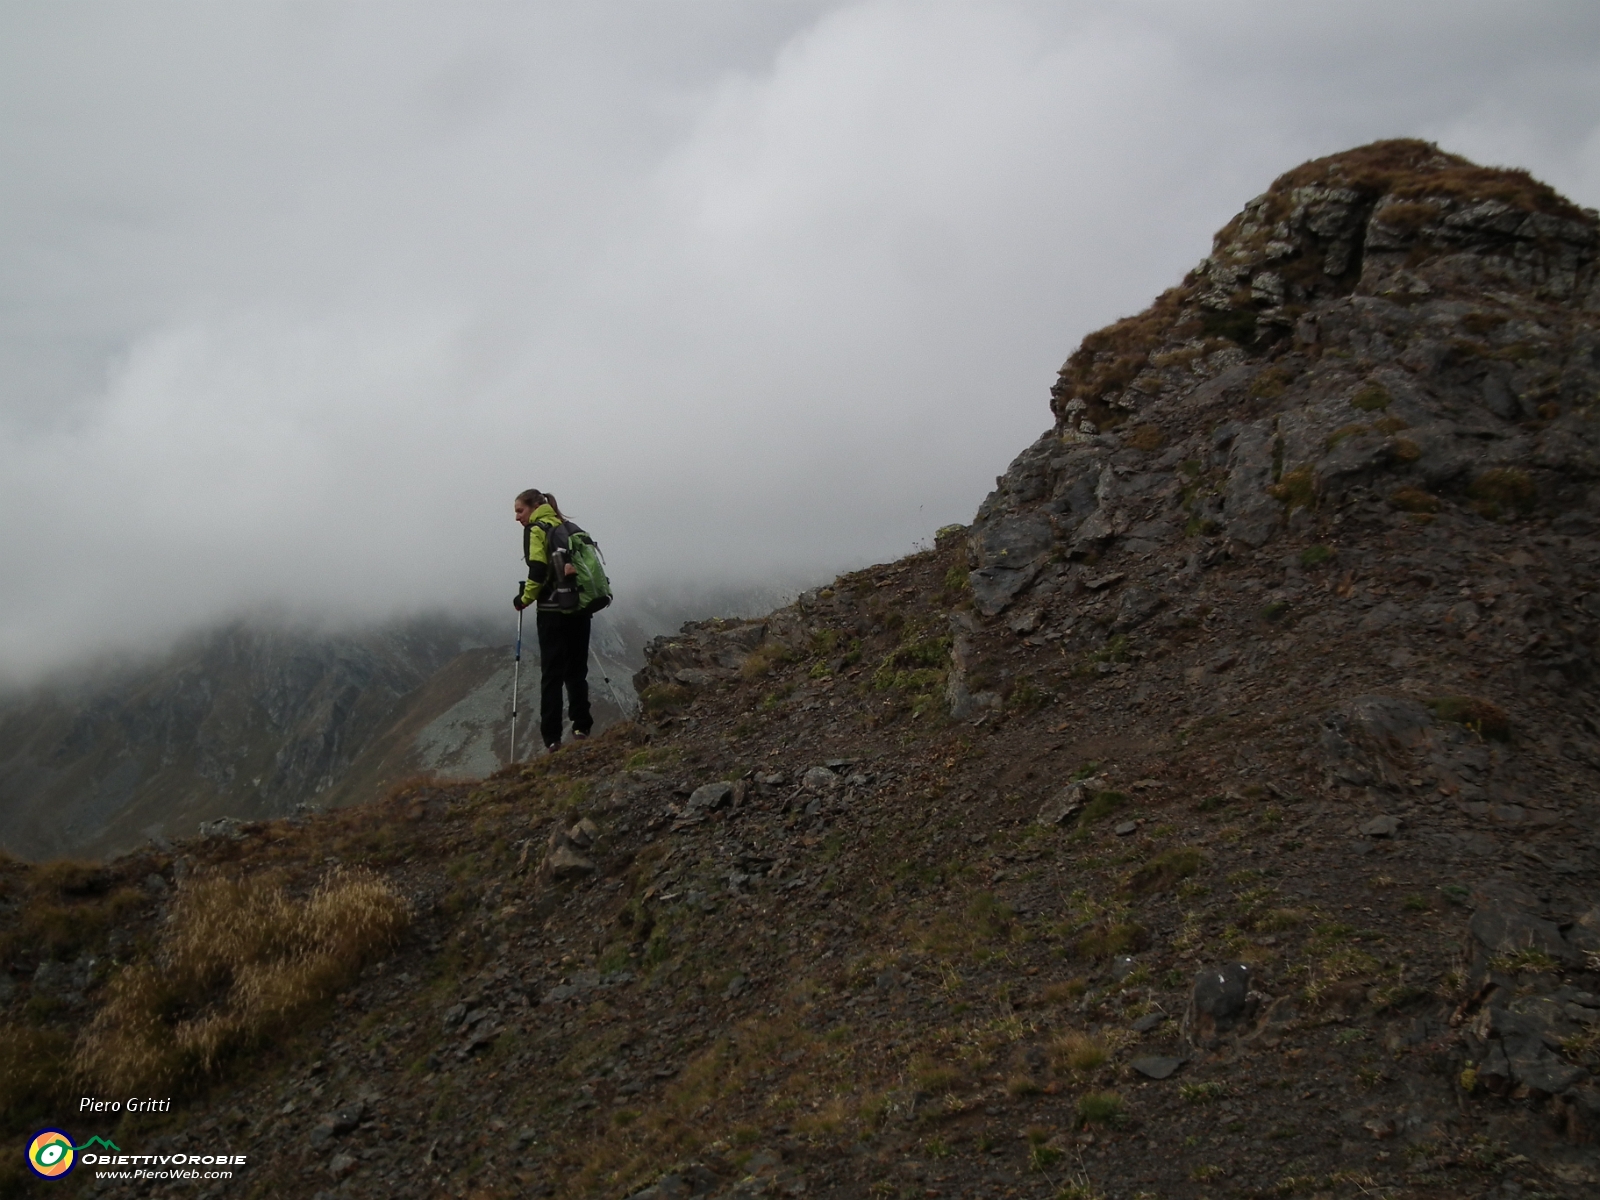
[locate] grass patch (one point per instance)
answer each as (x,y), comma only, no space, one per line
(35,1072)
(764,658)
(1100,806)
(938,1080)
(1483,717)
(1145,437)
(1313,556)
(1109,938)
(1078,1052)
(1099,1107)
(1202,1093)
(1270,383)
(1414,500)
(1114,651)
(663,698)
(1238,325)
(1503,489)
(1165,870)
(1372,398)
(1297,489)
(1064,992)
(1528,959)
(239,961)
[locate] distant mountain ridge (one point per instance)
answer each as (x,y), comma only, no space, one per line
(249,722)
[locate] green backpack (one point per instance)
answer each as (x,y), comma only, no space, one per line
(587,591)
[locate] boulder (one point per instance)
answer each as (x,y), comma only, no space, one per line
(1220,1002)
(820,780)
(563,862)
(711,796)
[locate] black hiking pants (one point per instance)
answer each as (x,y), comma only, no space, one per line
(563,662)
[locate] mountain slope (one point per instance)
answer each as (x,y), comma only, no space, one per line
(250,722)
(1216,816)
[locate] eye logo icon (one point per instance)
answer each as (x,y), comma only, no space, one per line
(50,1154)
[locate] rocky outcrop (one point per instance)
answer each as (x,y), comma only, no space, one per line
(1392,323)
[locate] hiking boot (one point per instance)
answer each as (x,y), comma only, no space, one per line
(579,734)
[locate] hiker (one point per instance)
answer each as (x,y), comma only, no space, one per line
(563,624)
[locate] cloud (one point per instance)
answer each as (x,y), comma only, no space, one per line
(302,295)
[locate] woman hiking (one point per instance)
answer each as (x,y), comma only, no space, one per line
(562,624)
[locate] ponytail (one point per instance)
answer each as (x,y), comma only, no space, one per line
(533,498)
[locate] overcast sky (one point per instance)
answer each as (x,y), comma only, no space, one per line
(296,297)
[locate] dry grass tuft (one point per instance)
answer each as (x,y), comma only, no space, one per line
(764,658)
(1503,488)
(1145,437)
(237,961)
(1415,500)
(1166,869)
(1078,1052)
(1483,717)
(1372,398)
(34,1072)
(1297,489)
(1110,937)
(1064,992)
(1411,169)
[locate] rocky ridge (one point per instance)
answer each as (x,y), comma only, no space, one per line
(1216,816)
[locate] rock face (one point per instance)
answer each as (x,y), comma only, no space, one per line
(1391,326)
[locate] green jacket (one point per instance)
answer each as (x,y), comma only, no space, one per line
(536,550)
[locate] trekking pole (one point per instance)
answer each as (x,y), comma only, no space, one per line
(516,674)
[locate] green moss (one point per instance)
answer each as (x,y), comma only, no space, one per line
(1313,556)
